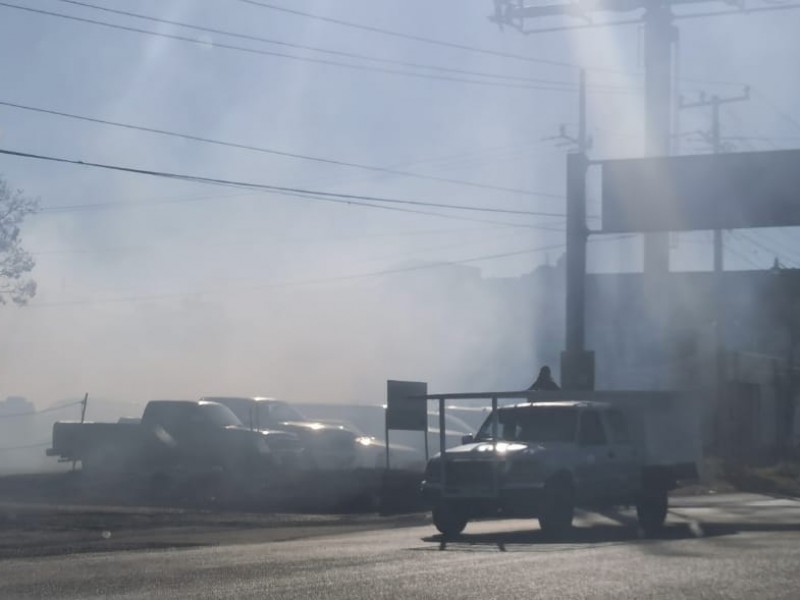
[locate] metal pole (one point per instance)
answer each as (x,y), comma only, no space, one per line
(659,35)
(387,448)
(576,253)
(442,448)
(495,461)
(716,141)
(427,452)
(83,406)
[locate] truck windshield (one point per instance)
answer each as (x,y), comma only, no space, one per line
(533,424)
(218,415)
(277,412)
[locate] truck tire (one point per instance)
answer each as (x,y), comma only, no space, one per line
(557,508)
(449,520)
(651,510)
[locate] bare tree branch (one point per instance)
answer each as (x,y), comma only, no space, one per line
(15,261)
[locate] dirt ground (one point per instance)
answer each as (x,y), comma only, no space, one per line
(64,513)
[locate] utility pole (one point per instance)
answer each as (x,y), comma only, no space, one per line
(577,364)
(660,40)
(714,139)
(660,35)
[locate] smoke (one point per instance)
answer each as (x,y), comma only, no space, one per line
(200,290)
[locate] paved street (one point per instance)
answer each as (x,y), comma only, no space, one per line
(730,546)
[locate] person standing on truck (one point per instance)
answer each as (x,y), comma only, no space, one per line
(544,382)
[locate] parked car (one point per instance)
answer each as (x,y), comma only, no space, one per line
(407,447)
(326,446)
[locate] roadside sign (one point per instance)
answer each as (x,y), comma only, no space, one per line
(406,406)
(708,191)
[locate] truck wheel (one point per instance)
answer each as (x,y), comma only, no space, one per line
(557,508)
(449,520)
(651,510)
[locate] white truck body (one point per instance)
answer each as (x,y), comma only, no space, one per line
(560,450)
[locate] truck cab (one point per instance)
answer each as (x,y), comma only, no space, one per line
(543,459)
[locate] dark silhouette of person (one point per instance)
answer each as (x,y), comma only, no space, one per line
(544,381)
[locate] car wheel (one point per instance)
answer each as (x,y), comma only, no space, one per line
(449,520)
(557,508)
(651,510)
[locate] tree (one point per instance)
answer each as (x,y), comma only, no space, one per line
(15,261)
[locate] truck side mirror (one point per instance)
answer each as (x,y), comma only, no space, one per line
(467,439)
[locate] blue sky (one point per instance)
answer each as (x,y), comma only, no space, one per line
(226,247)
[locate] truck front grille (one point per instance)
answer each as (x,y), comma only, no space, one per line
(473,474)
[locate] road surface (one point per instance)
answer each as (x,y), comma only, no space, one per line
(737,546)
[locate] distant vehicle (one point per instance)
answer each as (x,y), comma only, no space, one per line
(547,458)
(326,446)
(174,436)
(371,420)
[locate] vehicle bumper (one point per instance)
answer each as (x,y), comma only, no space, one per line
(521,499)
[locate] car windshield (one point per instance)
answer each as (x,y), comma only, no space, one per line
(533,424)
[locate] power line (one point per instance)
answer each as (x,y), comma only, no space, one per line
(323,280)
(743,256)
(778,110)
(344,54)
(638,21)
(158,247)
(416,38)
(773,250)
(272,151)
(275,54)
(311,194)
(26,447)
(40,412)
(475,49)
(738,11)
(111,205)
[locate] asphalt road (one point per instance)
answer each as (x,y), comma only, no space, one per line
(732,546)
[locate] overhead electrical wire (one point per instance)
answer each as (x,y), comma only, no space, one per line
(25,447)
(775,251)
(474,49)
(313,194)
(309,282)
(309,59)
(157,247)
(40,412)
(323,280)
(778,110)
(275,152)
(739,11)
(416,38)
(743,256)
(113,205)
(354,55)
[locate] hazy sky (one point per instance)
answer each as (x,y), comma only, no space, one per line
(182,286)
